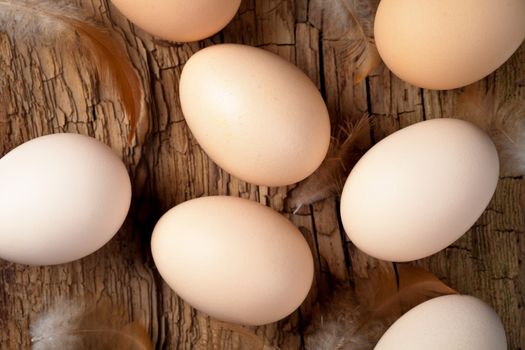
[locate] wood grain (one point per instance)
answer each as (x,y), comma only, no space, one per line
(43,91)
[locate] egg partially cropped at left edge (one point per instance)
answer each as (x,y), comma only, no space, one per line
(63,196)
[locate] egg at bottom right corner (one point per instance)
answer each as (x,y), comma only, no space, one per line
(452,322)
(420,189)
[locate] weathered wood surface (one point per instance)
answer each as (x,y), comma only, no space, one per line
(41,93)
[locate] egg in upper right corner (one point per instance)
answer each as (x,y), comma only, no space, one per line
(447,44)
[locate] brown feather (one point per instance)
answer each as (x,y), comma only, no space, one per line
(415,285)
(328,180)
(356,319)
(60,23)
(118,70)
(349,24)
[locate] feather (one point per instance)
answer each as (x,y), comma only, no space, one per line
(336,325)
(59,23)
(350,23)
(346,322)
(329,178)
(504,123)
(509,136)
(414,286)
(71,325)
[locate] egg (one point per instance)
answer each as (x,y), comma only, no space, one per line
(179,20)
(419,189)
(63,197)
(446,44)
(255,114)
(233,259)
(452,322)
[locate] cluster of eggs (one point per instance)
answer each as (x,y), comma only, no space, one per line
(261,119)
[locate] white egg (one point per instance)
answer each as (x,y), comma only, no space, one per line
(63,197)
(452,322)
(419,189)
(233,259)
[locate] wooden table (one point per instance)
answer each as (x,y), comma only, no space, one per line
(39,94)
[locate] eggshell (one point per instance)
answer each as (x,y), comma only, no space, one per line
(446,44)
(179,20)
(418,190)
(233,259)
(63,197)
(452,322)
(255,114)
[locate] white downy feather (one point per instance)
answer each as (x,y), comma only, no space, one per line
(69,325)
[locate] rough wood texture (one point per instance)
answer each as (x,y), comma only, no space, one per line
(40,94)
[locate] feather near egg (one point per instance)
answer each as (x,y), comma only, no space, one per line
(69,28)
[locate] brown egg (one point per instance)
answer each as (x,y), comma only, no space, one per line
(233,259)
(446,44)
(179,20)
(255,114)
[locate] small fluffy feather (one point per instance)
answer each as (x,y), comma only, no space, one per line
(329,179)
(59,23)
(343,323)
(504,123)
(350,23)
(77,326)
(338,325)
